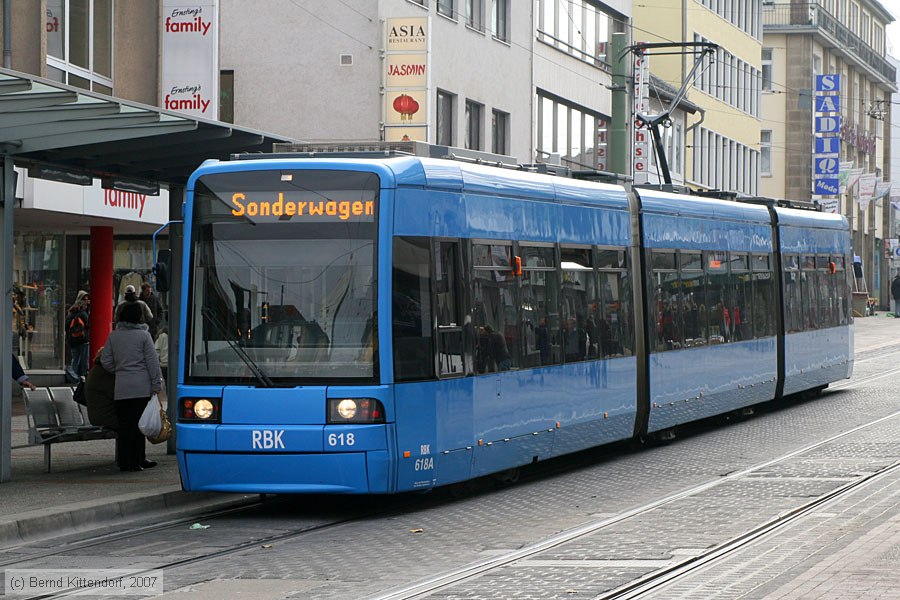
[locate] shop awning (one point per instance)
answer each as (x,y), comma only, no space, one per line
(44,123)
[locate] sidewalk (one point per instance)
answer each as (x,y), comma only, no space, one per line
(86,490)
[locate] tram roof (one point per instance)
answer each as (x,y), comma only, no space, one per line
(43,122)
(667,203)
(806,218)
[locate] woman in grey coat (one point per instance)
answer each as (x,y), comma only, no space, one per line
(129,354)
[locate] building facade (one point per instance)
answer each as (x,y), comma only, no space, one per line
(722,136)
(524,79)
(827,90)
(109,48)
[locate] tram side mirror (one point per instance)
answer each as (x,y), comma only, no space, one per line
(162,269)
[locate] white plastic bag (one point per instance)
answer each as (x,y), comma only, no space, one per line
(151,423)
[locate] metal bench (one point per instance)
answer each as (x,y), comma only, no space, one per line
(54,417)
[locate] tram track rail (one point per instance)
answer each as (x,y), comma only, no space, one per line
(669,574)
(194,559)
(446,580)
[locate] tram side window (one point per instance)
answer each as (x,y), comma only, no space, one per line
(411,309)
(540,306)
(793,294)
(763,305)
(742,297)
(664,307)
(826,292)
(809,283)
(717,297)
(693,299)
(448,308)
(495,308)
(578,288)
(613,311)
(842,291)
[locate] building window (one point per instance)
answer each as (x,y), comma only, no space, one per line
(569,134)
(765,152)
(499,132)
(474,125)
(577,27)
(474,14)
(79,43)
(226,96)
(420,2)
(444,118)
(500,19)
(445,7)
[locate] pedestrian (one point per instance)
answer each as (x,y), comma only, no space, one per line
(130,355)
(162,351)
(18,373)
(131,296)
(100,392)
(77,327)
(149,297)
(895,292)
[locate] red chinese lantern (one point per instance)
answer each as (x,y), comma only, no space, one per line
(406,106)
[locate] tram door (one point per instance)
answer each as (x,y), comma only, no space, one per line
(448,305)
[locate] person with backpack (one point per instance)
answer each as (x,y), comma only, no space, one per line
(78,335)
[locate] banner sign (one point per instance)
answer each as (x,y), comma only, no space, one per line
(405,78)
(189,43)
(830,205)
(827,170)
(827,187)
(640,143)
(866,190)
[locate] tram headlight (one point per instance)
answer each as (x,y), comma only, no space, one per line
(199,409)
(346,408)
(203,408)
(355,410)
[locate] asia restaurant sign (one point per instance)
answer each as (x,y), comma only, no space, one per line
(189,35)
(405,78)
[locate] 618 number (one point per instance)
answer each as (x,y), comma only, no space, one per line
(341,439)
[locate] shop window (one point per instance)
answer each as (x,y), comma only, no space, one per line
(38,300)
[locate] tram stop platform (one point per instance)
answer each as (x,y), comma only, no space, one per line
(86,491)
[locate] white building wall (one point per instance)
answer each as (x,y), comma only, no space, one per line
(288,78)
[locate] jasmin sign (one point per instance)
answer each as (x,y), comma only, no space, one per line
(406,79)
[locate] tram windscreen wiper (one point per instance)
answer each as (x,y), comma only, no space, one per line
(242,354)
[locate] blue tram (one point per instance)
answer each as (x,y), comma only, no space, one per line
(360,325)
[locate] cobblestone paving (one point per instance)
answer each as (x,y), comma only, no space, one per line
(367,557)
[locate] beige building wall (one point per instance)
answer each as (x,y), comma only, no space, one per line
(774,117)
(667,20)
(26,18)
(136,50)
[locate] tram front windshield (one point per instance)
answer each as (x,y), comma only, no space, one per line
(282,278)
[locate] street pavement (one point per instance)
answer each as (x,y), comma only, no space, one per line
(856,543)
